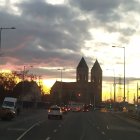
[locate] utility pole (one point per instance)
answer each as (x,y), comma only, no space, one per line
(60,95)
(124,97)
(137,92)
(4,28)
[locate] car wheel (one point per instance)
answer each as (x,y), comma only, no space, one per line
(49,117)
(61,117)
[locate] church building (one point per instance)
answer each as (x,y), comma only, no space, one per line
(83,90)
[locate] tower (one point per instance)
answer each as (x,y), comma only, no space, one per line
(96,79)
(96,73)
(82,71)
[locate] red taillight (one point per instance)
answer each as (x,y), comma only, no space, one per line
(49,110)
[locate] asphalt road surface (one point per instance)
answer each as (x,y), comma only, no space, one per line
(93,125)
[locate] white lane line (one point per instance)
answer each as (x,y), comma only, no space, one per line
(98,127)
(93,124)
(55,130)
(107,127)
(59,125)
(82,137)
(48,138)
(16,129)
(103,132)
(23,134)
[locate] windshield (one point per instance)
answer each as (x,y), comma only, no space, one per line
(8,104)
(55,108)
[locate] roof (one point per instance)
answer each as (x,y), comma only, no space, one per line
(96,66)
(54,106)
(82,63)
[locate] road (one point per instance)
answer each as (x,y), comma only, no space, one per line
(94,125)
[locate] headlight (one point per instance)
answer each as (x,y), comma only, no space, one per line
(13,111)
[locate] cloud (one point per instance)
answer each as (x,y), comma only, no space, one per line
(50,35)
(50,26)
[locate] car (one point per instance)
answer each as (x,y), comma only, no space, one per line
(138,111)
(86,108)
(64,109)
(55,112)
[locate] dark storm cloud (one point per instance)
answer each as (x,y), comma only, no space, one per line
(53,35)
(56,20)
(108,14)
(53,28)
(107,10)
(57,24)
(40,9)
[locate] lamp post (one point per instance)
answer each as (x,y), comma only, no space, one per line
(25,71)
(138,97)
(60,95)
(124,71)
(114,84)
(61,70)
(5,28)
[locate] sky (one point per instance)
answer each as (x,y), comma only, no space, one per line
(56,34)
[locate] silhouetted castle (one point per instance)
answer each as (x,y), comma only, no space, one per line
(82,90)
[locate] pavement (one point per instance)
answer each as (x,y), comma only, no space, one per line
(130,117)
(31,111)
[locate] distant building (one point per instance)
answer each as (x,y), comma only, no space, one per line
(82,90)
(27,91)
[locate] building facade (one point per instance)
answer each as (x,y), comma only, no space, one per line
(82,90)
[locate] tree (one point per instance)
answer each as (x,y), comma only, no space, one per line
(7,81)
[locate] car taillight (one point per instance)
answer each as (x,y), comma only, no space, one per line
(49,110)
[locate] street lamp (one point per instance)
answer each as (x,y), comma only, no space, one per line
(5,28)
(61,72)
(25,71)
(124,71)
(138,93)
(60,95)
(114,85)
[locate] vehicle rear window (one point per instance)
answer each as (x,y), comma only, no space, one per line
(55,108)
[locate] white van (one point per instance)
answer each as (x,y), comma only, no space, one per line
(10,103)
(9,108)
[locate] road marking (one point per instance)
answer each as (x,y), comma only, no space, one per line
(16,129)
(93,124)
(98,127)
(107,127)
(23,134)
(103,132)
(48,138)
(83,135)
(55,130)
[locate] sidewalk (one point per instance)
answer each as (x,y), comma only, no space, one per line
(127,115)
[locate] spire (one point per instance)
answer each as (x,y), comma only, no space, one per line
(82,71)
(82,63)
(96,65)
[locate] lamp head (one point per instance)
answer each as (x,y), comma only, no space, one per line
(13,28)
